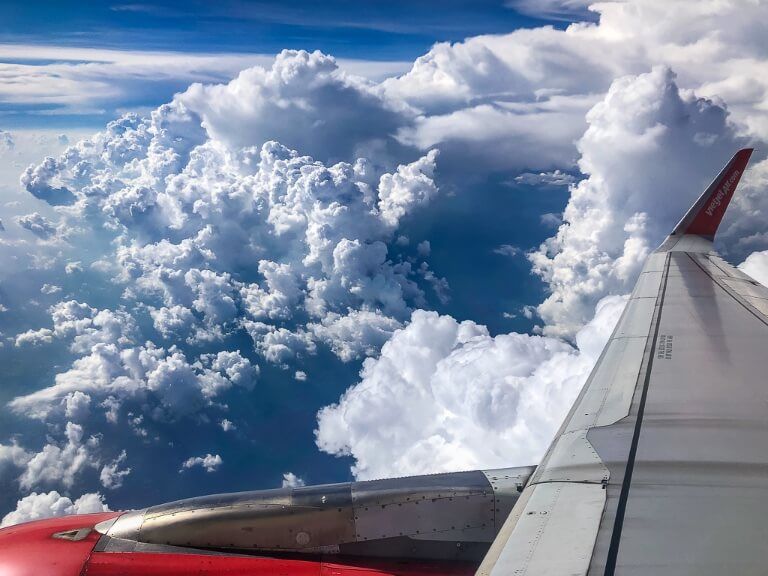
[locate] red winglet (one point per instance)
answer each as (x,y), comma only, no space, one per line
(705,215)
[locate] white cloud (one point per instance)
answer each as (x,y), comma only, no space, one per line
(343,111)
(446,395)
(324,229)
(300,376)
(61,464)
(407,188)
(38,224)
(12,458)
(73,267)
(173,320)
(113,370)
(111,475)
(551,220)
(359,333)
(47,504)
(227,425)
(554,178)
(34,337)
(209,462)
(507,250)
(77,406)
(644,168)
(290,480)
(50,289)
(756,265)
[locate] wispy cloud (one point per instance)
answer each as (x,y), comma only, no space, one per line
(69,81)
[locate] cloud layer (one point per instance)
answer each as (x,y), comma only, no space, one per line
(247,227)
(446,395)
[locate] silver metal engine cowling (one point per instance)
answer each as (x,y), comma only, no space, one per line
(439,516)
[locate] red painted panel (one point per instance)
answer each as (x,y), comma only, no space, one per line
(708,219)
(156,564)
(29,550)
(153,564)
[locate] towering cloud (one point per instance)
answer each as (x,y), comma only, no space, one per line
(640,154)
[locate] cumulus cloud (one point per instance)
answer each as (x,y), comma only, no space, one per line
(12,458)
(647,149)
(227,425)
(112,475)
(37,506)
(50,289)
(356,334)
(61,464)
(446,395)
(73,267)
(209,462)
(345,112)
(77,406)
(187,209)
(38,224)
(114,368)
(644,167)
(290,480)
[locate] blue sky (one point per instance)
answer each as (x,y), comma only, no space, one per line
(426,292)
(377,30)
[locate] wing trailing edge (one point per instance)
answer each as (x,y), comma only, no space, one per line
(705,215)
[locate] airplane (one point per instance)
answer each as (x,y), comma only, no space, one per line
(661,467)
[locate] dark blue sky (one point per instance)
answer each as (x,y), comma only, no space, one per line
(376,29)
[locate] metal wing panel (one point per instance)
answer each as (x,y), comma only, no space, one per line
(671,429)
(697,501)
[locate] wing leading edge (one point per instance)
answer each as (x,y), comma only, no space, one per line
(661,467)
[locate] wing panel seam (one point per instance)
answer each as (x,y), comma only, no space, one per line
(730,291)
(613,550)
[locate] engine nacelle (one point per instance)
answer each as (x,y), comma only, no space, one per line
(440,516)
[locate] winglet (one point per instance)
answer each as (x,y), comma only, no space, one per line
(705,215)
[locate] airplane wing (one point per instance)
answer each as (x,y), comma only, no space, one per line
(661,467)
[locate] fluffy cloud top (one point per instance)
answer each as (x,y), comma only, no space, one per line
(634,193)
(38,224)
(61,464)
(445,395)
(290,480)
(345,112)
(47,504)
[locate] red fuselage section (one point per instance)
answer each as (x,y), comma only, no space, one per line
(31,549)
